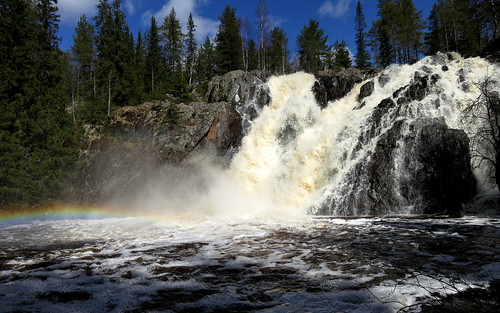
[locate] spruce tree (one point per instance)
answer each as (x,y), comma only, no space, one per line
(154,61)
(106,73)
(83,58)
(341,59)
(397,36)
(206,61)
(140,69)
(38,149)
(362,54)
(229,54)
(191,48)
(312,47)
(117,77)
(126,87)
(278,56)
(173,43)
(253,57)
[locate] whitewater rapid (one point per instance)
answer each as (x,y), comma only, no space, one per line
(297,156)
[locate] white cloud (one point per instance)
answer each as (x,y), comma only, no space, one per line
(71,10)
(334,10)
(204,26)
(129,5)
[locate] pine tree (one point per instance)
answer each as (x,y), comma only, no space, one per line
(362,54)
(154,61)
(411,32)
(206,61)
(173,43)
(83,55)
(397,36)
(464,26)
(117,78)
(191,48)
(341,59)
(38,150)
(312,47)
(278,56)
(140,69)
(229,55)
(252,54)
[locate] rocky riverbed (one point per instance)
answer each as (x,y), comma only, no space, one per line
(181,265)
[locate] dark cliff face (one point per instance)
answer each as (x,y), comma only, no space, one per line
(435,175)
(136,142)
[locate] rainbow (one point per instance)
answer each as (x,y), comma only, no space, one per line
(67,212)
(61,212)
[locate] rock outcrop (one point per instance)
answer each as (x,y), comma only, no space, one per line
(419,162)
(332,85)
(238,87)
(138,140)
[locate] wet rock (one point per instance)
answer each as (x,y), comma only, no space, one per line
(331,85)
(366,90)
(137,141)
(238,87)
(386,103)
(421,163)
(383,79)
(445,177)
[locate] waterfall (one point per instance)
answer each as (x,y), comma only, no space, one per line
(323,161)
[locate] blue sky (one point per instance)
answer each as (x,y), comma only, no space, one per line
(336,17)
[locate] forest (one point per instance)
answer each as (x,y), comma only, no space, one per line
(47,95)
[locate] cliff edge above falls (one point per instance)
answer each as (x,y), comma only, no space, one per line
(122,152)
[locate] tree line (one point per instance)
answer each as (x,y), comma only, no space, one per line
(46,94)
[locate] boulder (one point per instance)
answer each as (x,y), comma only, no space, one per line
(331,85)
(445,177)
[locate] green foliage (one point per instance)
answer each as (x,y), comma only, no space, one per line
(397,36)
(83,59)
(253,58)
(37,145)
(173,42)
(191,48)
(117,75)
(312,47)
(155,63)
(140,69)
(464,26)
(278,52)
(172,116)
(362,54)
(229,49)
(205,68)
(341,58)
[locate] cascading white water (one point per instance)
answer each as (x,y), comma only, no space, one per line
(300,156)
